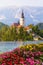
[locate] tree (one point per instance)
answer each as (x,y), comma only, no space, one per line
(35,29)
(2,32)
(41,33)
(10,34)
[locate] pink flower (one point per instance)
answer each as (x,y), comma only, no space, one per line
(3,63)
(42,63)
(37,62)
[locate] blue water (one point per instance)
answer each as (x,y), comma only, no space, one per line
(8,46)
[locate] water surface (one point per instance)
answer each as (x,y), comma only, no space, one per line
(8,46)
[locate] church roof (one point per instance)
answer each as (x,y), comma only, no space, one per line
(22,15)
(15,24)
(27,28)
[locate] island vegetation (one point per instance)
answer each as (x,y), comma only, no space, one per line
(9,33)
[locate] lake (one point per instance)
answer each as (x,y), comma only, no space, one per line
(8,46)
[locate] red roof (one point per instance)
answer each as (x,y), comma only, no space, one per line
(15,24)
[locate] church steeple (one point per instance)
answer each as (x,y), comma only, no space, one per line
(22,15)
(22,19)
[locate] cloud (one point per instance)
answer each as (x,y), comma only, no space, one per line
(35,20)
(18,13)
(16,16)
(31,16)
(37,13)
(2,17)
(18,3)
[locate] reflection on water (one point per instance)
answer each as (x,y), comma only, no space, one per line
(8,46)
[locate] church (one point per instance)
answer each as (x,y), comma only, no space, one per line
(20,22)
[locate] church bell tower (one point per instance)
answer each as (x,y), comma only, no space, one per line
(22,19)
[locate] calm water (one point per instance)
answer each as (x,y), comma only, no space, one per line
(8,46)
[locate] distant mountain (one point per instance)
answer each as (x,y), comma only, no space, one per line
(33,15)
(2,25)
(40,25)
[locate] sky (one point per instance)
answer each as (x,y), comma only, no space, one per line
(19,3)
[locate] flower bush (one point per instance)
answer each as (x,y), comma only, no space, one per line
(31,54)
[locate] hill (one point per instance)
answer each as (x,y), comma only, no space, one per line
(2,25)
(40,25)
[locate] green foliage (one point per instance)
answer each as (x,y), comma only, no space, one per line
(13,34)
(41,33)
(20,34)
(2,25)
(37,30)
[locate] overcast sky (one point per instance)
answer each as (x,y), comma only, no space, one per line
(5,3)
